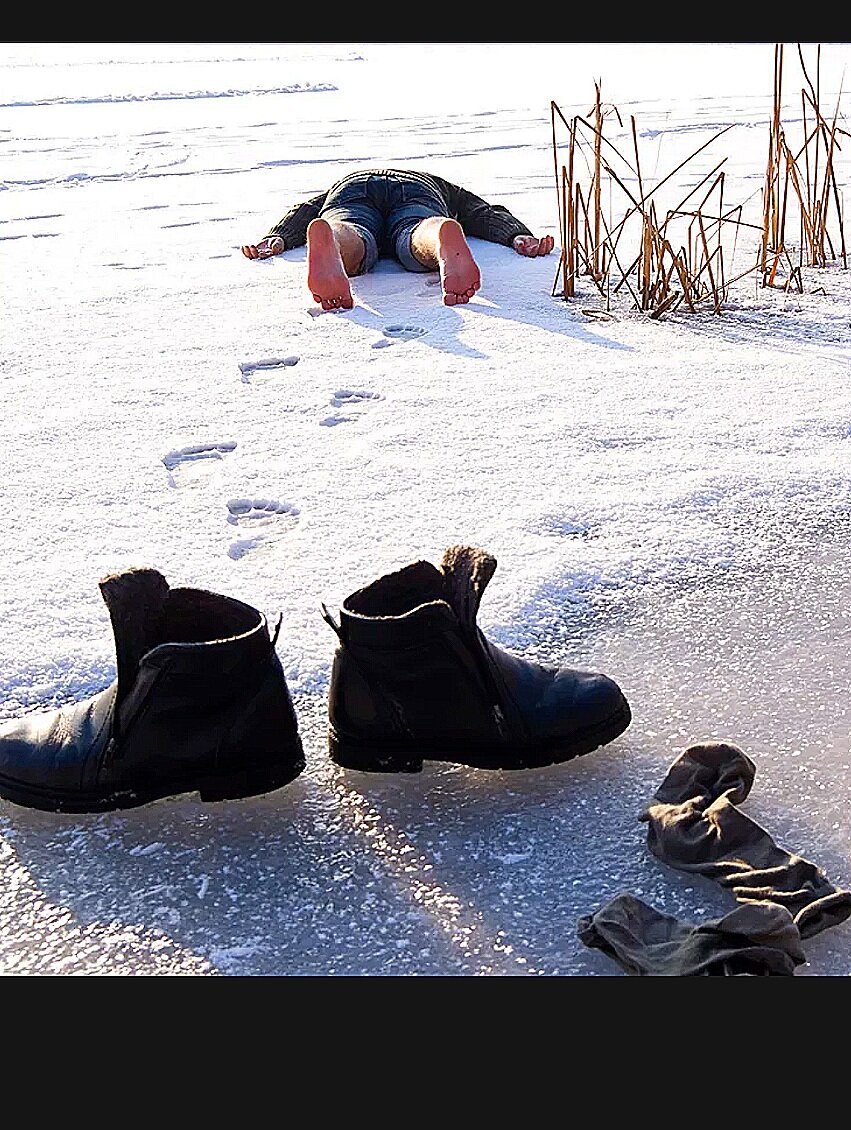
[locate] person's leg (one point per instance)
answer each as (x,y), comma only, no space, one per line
(439,244)
(424,237)
(335,252)
(343,241)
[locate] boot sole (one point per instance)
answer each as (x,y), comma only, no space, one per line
(235,786)
(392,757)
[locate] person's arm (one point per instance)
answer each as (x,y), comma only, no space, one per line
(292,228)
(478,218)
(289,231)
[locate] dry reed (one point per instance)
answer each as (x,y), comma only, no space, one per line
(692,271)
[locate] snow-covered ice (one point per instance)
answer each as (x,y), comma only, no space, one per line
(668,500)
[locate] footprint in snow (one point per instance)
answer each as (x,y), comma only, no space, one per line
(253,370)
(353,402)
(262,521)
(398,331)
(190,466)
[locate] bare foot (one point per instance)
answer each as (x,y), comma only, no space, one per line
(327,280)
(459,273)
(273,245)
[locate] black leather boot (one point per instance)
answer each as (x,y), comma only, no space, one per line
(414,679)
(200,703)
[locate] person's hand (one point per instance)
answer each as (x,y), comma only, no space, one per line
(530,245)
(264,248)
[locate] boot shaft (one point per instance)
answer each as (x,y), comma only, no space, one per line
(210,687)
(435,688)
(408,664)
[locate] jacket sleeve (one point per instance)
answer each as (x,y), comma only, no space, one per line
(292,228)
(480,219)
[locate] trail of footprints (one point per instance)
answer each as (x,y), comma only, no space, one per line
(252,371)
(261,521)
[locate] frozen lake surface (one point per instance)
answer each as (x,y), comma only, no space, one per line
(668,501)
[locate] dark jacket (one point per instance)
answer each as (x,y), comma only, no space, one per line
(477,217)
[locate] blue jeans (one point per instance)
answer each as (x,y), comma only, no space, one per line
(384,207)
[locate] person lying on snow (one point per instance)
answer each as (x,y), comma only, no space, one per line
(419,219)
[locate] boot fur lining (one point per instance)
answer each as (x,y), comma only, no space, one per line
(198,616)
(398,593)
(135,599)
(467,571)
(460,581)
(146,612)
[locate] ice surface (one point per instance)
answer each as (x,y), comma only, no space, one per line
(668,501)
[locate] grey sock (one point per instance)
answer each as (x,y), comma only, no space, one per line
(759,939)
(695,826)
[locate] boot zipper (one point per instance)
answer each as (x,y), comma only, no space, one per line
(112,751)
(500,721)
(482,662)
